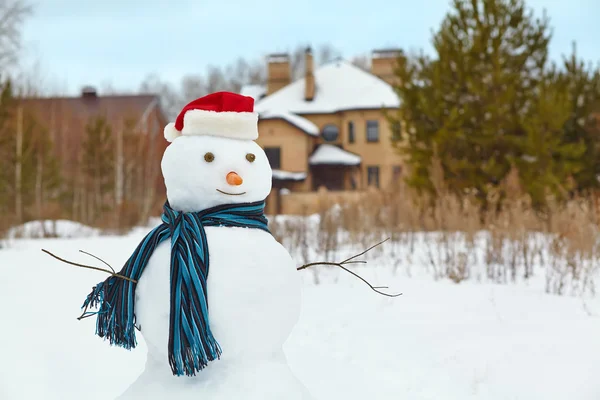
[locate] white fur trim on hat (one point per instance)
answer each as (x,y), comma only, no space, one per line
(170,132)
(236,125)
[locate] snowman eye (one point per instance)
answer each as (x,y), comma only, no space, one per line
(209,157)
(250,157)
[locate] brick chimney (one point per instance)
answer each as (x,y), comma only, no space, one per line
(384,62)
(278,72)
(309,77)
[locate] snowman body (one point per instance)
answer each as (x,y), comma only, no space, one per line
(253,287)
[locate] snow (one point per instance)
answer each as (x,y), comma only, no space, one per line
(286,175)
(257,92)
(386,53)
(340,86)
(194,184)
(296,120)
(439,340)
(278,58)
(47,228)
(328,154)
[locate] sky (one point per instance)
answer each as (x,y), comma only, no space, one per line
(72,43)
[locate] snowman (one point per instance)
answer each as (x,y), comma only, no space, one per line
(213,294)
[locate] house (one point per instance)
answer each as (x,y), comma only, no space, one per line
(327,130)
(136,123)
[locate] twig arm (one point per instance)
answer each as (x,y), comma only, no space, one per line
(333,264)
(365,252)
(374,288)
(352,260)
(89,267)
(99,259)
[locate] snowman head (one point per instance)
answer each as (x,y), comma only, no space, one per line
(205,171)
(213,158)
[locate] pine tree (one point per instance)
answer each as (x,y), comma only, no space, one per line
(547,160)
(29,173)
(98,153)
(583,84)
(7,106)
(422,114)
(468,104)
(47,178)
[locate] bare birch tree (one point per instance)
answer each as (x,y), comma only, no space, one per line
(12,16)
(363,62)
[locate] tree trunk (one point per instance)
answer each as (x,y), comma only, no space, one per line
(19,167)
(118,176)
(150,178)
(39,192)
(77,183)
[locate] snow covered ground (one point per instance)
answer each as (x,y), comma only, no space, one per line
(47,228)
(439,340)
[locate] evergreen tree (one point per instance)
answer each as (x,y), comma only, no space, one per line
(547,160)
(422,113)
(98,153)
(583,83)
(38,180)
(47,179)
(470,103)
(7,104)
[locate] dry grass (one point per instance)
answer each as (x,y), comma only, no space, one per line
(451,239)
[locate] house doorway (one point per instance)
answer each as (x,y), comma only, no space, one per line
(330,176)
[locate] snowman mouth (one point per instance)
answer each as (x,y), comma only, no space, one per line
(231,194)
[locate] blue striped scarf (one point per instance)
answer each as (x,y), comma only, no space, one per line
(191,343)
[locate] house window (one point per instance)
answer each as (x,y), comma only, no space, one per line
(373,176)
(397,172)
(397,130)
(330,133)
(351,137)
(274,156)
(372,131)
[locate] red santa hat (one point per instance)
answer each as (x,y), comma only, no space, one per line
(218,114)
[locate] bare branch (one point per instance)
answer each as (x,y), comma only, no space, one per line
(12,16)
(99,259)
(365,252)
(374,288)
(352,260)
(90,267)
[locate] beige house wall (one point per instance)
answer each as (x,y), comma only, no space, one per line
(296,147)
(294,143)
(380,154)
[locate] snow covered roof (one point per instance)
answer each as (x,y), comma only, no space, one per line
(278,57)
(296,120)
(339,86)
(328,154)
(257,92)
(288,176)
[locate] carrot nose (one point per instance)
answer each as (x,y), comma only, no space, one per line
(234,179)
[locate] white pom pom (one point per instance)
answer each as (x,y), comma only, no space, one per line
(171,133)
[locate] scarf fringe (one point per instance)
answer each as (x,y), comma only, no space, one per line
(116,327)
(190,360)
